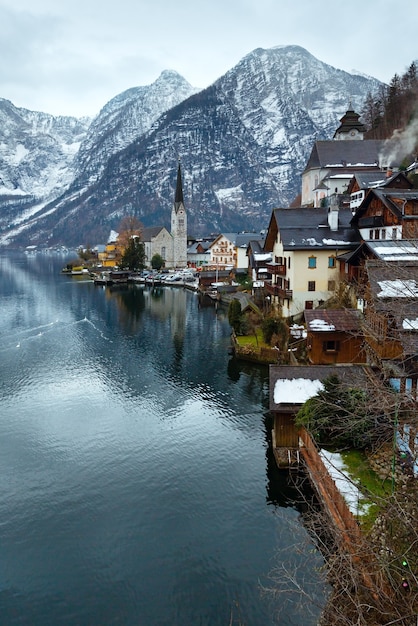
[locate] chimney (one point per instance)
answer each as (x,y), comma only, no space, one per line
(333,211)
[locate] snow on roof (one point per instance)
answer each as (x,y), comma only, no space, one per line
(295,390)
(258,256)
(410,324)
(398,288)
(350,164)
(397,250)
(393,257)
(321,325)
(334,242)
(311,241)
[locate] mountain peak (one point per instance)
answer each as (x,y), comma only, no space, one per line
(244,142)
(170,75)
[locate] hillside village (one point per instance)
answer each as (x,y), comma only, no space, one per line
(341,269)
(344,264)
(340,264)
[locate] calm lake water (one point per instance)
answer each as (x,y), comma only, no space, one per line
(136,482)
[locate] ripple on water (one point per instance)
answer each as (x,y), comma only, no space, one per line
(133,471)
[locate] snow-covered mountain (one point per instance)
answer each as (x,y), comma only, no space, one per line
(125,118)
(36,156)
(41,155)
(243,143)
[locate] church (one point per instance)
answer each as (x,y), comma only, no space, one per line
(332,163)
(171,246)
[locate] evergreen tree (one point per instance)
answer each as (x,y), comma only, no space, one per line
(157,262)
(133,257)
(393,106)
(344,417)
(235,315)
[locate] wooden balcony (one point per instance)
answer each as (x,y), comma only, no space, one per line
(276,268)
(284,294)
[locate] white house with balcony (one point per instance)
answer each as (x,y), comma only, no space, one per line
(304,244)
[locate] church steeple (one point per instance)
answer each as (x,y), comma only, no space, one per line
(179,224)
(350,127)
(178,198)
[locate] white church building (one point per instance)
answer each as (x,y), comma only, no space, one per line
(171,246)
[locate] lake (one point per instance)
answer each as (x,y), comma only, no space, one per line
(137,485)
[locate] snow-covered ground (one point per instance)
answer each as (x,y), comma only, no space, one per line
(355,500)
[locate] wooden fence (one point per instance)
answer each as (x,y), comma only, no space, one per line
(327,490)
(340,514)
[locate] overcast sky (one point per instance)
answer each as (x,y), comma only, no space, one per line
(70,57)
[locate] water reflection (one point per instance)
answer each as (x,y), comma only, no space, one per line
(134,459)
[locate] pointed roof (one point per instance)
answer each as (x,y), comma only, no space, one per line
(393,199)
(350,121)
(178,198)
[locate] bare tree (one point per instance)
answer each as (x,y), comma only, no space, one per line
(373,573)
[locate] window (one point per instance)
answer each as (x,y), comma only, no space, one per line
(371,234)
(331,346)
(312,262)
(311,285)
(393,233)
(288,263)
(332,261)
(331,285)
(308,304)
(376,233)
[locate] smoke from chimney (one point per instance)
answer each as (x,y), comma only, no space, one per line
(401,144)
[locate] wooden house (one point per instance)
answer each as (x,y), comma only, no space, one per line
(290,388)
(388,214)
(391,316)
(334,336)
(362,182)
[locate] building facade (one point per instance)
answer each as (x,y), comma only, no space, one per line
(179,225)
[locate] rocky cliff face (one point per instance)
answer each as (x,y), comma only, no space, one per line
(36,159)
(243,144)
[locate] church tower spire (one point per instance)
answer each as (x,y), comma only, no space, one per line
(178,198)
(350,127)
(179,224)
